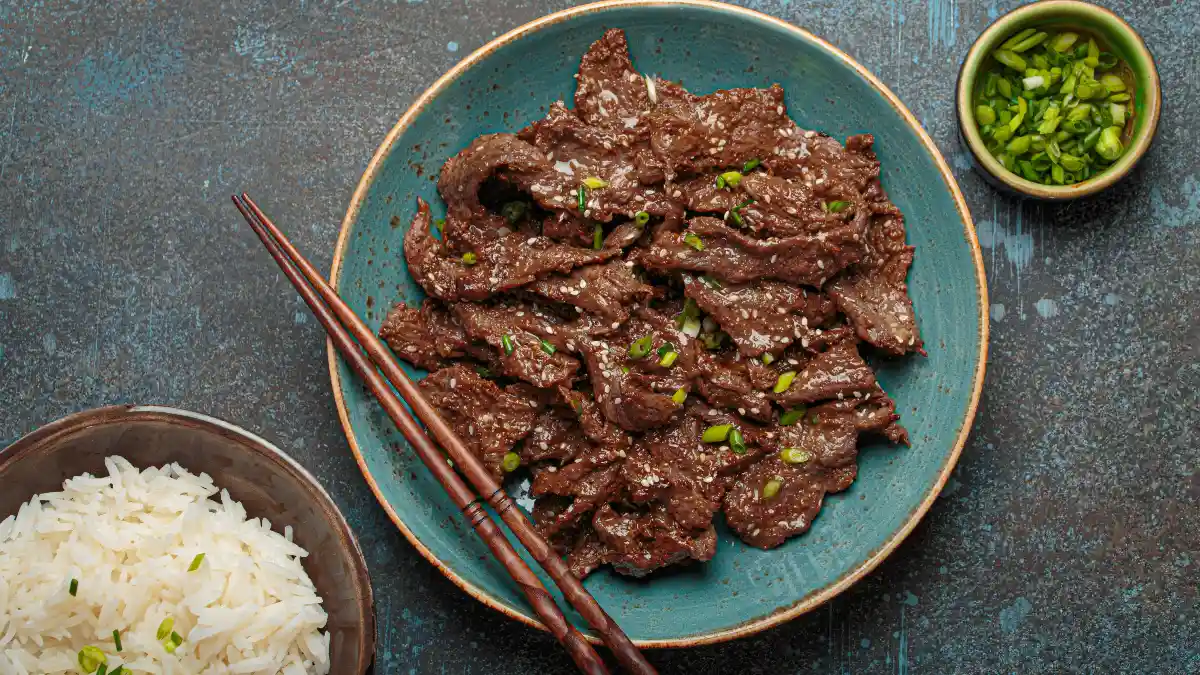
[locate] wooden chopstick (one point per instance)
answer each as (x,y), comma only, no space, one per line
(338,318)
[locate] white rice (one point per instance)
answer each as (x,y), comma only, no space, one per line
(129,539)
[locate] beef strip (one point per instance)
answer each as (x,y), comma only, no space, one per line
(635,394)
(839,372)
(725,381)
(763,317)
(469,225)
(727,128)
(786,208)
(874,295)
(637,543)
(553,437)
(735,257)
(609,90)
(701,194)
(488,419)
(606,290)
(526,329)
(509,262)
(582,151)
(426,338)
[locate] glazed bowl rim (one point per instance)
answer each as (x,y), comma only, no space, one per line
(1034,13)
(869,562)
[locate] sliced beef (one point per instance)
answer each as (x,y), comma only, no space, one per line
(839,372)
(607,290)
(553,437)
(469,225)
(506,263)
(488,419)
(588,482)
(427,338)
(874,295)
(569,227)
(610,91)
(778,207)
(763,317)
(583,152)
(639,542)
(727,128)
(726,381)
(636,393)
(701,194)
(737,258)
(528,354)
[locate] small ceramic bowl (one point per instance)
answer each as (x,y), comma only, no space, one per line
(269,483)
(1119,37)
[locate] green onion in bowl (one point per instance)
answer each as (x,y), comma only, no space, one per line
(1053,107)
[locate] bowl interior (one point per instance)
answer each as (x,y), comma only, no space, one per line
(269,484)
(1117,37)
(706,46)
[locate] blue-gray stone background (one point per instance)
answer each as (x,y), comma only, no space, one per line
(1067,540)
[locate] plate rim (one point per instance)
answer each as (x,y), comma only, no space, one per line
(863,567)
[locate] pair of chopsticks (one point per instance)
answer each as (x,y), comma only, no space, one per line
(348,334)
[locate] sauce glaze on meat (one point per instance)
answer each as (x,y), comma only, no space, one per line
(618,223)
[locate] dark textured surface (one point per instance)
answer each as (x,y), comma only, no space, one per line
(1066,541)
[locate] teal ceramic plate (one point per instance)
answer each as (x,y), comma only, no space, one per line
(510,82)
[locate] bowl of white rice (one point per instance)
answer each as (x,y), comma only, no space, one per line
(143,539)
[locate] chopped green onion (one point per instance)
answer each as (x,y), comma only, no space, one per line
(1016,39)
(838,206)
(582,198)
(91,658)
(102,670)
(1005,87)
(506,342)
(1063,41)
(547,347)
(771,488)
(717,434)
(691,239)
(117,640)
(513,212)
(679,396)
(119,670)
(1109,145)
(1093,53)
(985,115)
(593,183)
(1113,83)
(790,417)
(768,359)
(641,347)
(483,372)
(1119,98)
(1108,60)
(666,348)
(750,165)
(196,562)
(641,218)
(598,237)
(668,359)
(736,443)
(691,327)
(510,462)
(440,224)
(469,258)
(1010,59)
(784,381)
(172,643)
(1029,42)
(577,406)
(164,628)
(721,182)
(731,178)
(814,419)
(73,587)
(795,455)
(710,282)
(1019,145)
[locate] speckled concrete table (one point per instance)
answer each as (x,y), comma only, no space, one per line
(1067,540)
